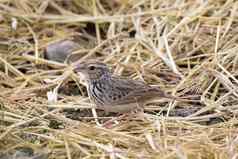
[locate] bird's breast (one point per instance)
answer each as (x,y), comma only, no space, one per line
(96,93)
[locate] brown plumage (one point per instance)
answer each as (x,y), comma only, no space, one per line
(114,93)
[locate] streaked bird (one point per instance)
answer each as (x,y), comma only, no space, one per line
(114,93)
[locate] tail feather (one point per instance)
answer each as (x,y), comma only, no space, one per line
(163,94)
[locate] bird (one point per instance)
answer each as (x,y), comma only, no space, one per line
(113,93)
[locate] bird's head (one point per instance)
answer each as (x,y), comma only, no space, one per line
(92,70)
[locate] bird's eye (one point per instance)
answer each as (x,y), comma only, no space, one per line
(91,67)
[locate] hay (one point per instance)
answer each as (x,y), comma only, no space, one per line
(189,48)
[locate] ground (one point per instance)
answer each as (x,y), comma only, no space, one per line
(187,47)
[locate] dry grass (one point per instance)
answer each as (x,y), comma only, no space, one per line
(188,47)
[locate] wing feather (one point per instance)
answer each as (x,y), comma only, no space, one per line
(126,91)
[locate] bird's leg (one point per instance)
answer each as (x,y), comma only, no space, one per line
(95,116)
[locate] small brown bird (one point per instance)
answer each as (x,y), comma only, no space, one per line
(114,93)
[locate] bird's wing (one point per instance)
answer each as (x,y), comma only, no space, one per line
(126,91)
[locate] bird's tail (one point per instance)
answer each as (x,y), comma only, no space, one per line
(163,94)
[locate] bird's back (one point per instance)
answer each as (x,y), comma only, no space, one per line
(117,91)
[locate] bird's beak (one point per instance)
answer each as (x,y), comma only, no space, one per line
(78,68)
